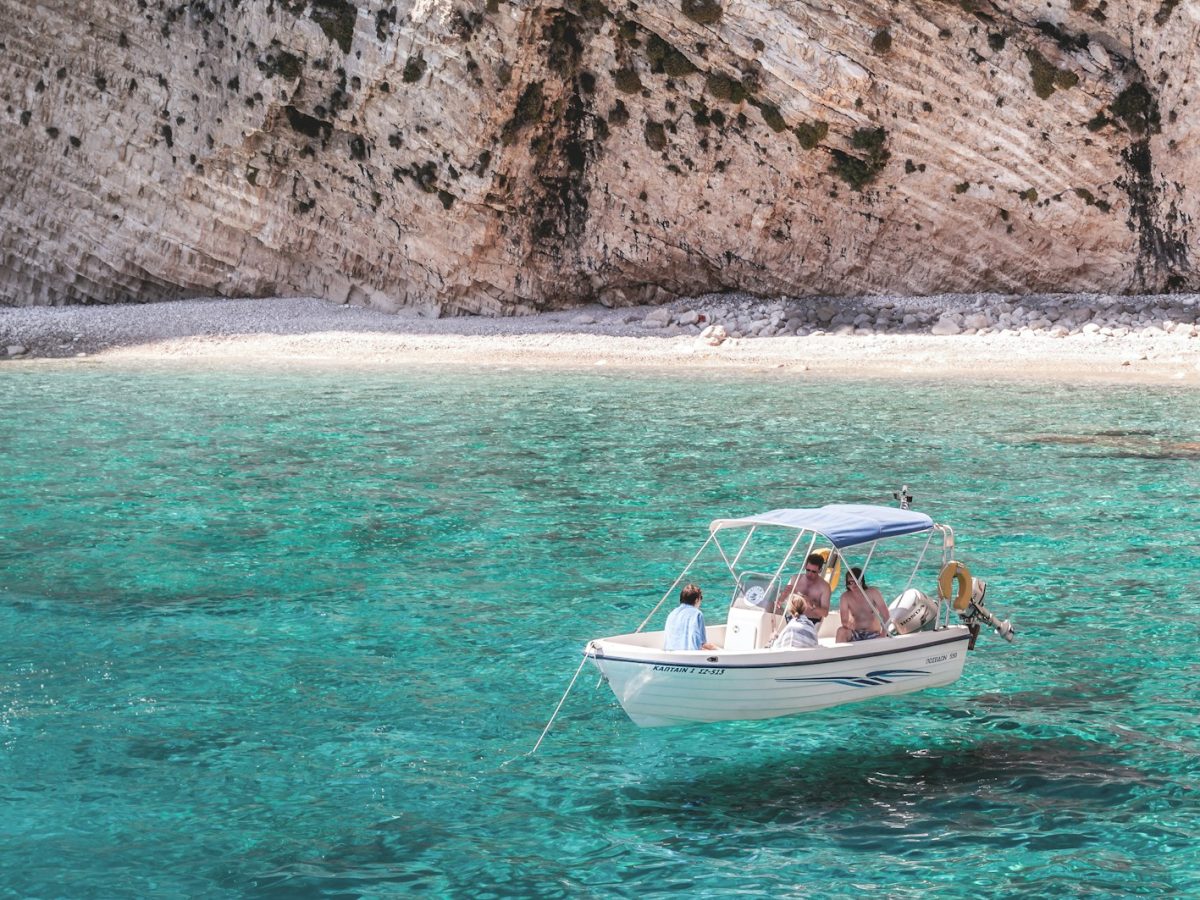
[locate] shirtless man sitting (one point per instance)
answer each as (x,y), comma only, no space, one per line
(811,584)
(864,614)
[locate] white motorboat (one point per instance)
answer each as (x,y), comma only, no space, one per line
(925,645)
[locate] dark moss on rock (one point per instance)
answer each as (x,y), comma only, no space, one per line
(882,42)
(307,125)
(810,134)
(656,135)
(772,117)
(860,170)
(529,110)
(424,175)
(337,19)
(1137,109)
(664,58)
(593,10)
(704,12)
(725,88)
(464,23)
(1086,196)
(282,63)
(1042,72)
(562,38)
(1164,11)
(446,198)
(1046,76)
(618,115)
(1062,37)
(1162,238)
(627,81)
(385,21)
(413,69)
(996,40)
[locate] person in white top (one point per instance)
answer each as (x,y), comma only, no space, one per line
(801,629)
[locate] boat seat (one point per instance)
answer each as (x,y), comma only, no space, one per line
(752,620)
(749,629)
(830,624)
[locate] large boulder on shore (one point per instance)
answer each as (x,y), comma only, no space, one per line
(505,157)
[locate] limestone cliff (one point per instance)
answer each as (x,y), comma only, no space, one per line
(512,156)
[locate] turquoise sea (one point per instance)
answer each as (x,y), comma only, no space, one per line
(289,634)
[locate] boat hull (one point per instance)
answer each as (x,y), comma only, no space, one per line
(658,688)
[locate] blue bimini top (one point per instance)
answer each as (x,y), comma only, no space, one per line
(844,524)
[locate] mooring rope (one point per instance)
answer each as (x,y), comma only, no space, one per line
(546,730)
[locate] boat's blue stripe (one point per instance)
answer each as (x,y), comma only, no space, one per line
(780,665)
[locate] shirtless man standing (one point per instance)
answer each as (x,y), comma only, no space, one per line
(811,584)
(864,614)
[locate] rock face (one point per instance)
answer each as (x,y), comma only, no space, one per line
(515,156)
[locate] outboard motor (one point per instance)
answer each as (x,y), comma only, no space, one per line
(976,612)
(913,611)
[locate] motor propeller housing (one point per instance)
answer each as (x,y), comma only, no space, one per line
(976,612)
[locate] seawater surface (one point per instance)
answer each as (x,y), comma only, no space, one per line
(290,634)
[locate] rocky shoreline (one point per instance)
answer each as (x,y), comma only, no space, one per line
(1061,337)
(944,315)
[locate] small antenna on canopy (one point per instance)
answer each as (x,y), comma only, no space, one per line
(904,497)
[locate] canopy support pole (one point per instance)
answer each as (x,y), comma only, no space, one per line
(742,549)
(782,565)
(671,589)
(920,559)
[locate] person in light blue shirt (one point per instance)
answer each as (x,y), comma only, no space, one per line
(685,624)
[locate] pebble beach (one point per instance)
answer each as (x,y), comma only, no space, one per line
(1046,337)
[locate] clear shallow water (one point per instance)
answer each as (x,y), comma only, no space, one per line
(277,635)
